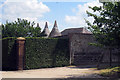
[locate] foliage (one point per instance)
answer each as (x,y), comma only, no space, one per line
(106,25)
(0,31)
(8,54)
(20,28)
(42,52)
(39,53)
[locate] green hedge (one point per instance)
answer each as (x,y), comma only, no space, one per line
(8,54)
(39,53)
(46,52)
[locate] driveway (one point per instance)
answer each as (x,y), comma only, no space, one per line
(58,72)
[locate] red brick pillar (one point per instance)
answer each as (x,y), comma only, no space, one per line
(20,53)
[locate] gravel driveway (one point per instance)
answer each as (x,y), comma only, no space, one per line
(58,72)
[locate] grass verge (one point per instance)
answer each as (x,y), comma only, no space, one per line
(110,72)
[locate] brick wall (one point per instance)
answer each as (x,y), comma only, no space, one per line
(83,53)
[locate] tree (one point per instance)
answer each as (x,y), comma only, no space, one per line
(0,31)
(106,25)
(20,28)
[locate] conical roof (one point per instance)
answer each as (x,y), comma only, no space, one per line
(46,31)
(37,24)
(55,32)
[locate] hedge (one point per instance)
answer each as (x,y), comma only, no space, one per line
(8,54)
(46,52)
(39,53)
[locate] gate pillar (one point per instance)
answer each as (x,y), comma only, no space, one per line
(20,53)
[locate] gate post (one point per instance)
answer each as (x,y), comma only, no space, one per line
(20,53)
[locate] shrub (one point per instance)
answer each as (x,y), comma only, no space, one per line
(39,53)
(46,52)
(8,53)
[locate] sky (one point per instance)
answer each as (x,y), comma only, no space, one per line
(67,13)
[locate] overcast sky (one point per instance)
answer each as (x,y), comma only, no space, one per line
(68,14)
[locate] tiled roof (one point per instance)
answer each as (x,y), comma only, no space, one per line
(46,31)
(55,32)
(75,30)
